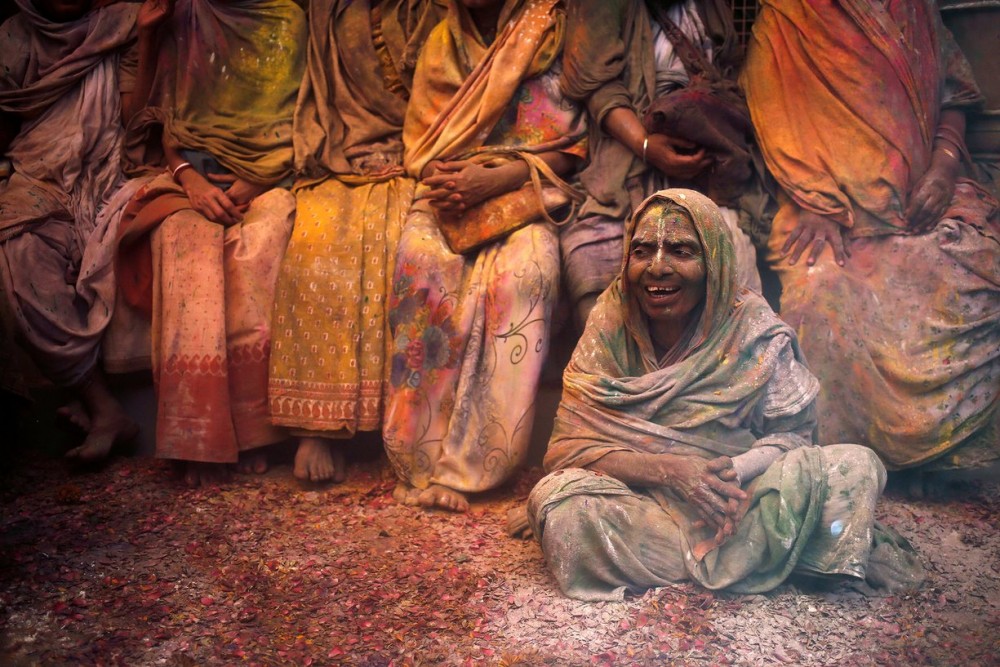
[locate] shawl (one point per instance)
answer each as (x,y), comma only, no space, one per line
(42,60)
(708,396)
(227,79)
(852,61)
(347,120)
(462,86)
(61,80)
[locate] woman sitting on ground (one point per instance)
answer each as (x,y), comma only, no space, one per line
(683,446)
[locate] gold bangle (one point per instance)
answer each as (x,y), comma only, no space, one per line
(950,153)
(178,169)
(645,145)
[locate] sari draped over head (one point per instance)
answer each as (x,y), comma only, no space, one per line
(227,79)
(465,85)
(734,382)
(331,331)
(705,396)
(846,99)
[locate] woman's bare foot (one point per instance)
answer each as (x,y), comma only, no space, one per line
(444,498)
(318,460)
(404,494)
(102,416)
(197,474)
(75,414)
(252,462)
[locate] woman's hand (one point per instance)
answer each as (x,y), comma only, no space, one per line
(457,185)
(816,230)
(932,194)
(708,486)
(242,192)
(209,199)
(675,157)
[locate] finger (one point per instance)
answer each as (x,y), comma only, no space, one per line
(725,490)
(712,501)
(840,253)
(719,464)
(728,475)
(222,178)
(801,245)
(439,180)
(227,204)
(440,194)
(792,238)
(453,166)
(817,250)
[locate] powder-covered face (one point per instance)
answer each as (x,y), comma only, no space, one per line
(63,11)
(666,271)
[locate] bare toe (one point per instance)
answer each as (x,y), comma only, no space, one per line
(253,462)
(317,460)
(198,474)
(103,435)
(75,414)
(404,494)
(443,497)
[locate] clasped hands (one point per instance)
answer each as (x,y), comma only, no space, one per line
(224,207)
(457,185)
(711,487)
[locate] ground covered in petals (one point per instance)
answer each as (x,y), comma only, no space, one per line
(126,566)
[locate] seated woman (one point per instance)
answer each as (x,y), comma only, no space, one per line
(470,332)
(71,74)
(202,243)
(327,378)
(620,59)
(897,294)
(683,444)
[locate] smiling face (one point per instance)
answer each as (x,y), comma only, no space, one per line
(666,271)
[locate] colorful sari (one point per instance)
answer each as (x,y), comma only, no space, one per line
(331,330)
(734,382)
(906,337)
(58,209)
(470,333)
(209,288)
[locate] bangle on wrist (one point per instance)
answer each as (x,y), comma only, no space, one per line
(178,169)
(645,145)
(950,153)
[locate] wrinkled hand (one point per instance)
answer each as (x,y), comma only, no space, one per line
(243,192)
(153,13)
(710,487)
(932,194)
(675,157)
(209,199)
(455,186)
(815,230)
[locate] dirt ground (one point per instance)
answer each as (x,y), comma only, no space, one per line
(125,566)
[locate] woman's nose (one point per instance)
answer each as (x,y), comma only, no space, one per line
(660,265)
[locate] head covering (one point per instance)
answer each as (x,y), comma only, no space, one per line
(731,370)
(720,272)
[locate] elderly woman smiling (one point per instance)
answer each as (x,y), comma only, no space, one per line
(683,444)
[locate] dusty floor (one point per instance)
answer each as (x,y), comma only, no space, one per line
(124,566)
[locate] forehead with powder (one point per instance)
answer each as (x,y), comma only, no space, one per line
(665,224)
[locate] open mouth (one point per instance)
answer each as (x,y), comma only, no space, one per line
(658,291)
